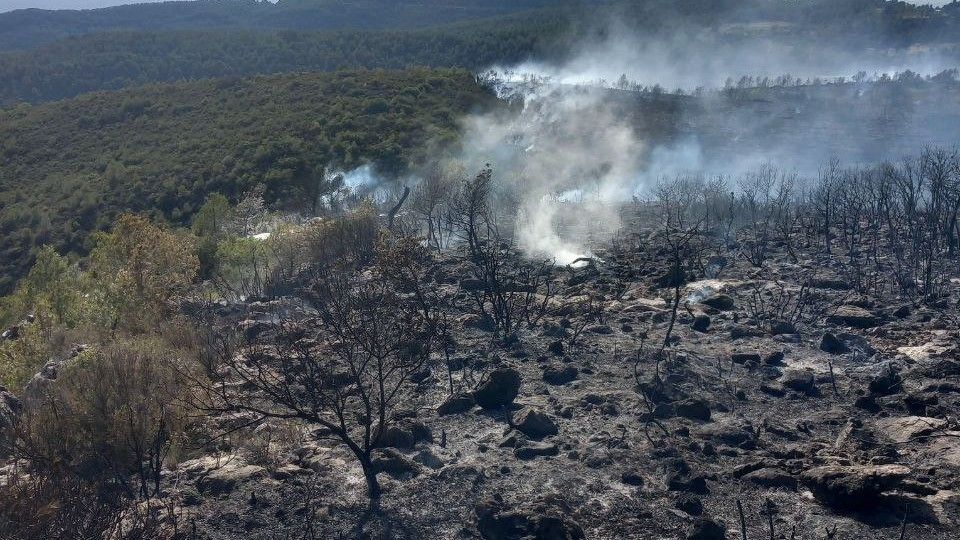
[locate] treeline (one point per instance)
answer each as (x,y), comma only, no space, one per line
(68,169)
(894,20)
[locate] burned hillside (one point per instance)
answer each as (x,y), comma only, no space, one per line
(781,362)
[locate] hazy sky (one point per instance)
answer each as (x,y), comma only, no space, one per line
(9,5)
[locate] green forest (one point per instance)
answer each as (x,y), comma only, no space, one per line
(69,168)
(179,41)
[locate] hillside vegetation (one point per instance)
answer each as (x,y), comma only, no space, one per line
(24,29)
(116,60)
(69,168)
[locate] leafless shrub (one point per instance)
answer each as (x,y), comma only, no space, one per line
(777,302)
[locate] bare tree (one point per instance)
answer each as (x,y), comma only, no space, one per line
(347,374)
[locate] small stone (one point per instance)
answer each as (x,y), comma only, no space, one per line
(799,380)
(534,423)
(745,358)
(536,449)
(853,316)
(831,344)
(701,323)
(559,375)
(456,404)
(632,478)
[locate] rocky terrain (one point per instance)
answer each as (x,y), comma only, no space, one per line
(838,423)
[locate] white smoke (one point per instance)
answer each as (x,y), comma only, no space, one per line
(568,160)
(570,155)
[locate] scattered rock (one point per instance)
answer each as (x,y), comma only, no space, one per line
(689,503)
(10,408)
(392,462)
(736,434)
(478,322)
(745,358)
(739,331)
(499,389)
(405,434)
(782,327)
(428,459)
(632,478)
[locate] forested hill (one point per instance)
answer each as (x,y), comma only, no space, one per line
(24,29)
(117,60)
(69,168)
(132,45)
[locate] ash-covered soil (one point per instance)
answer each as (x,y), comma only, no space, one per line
(839,422)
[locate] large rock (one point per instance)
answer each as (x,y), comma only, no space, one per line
(499,389)
(548,518)
(405,434)
(771,477)
(707,529)
(693,408)
(456,404)
(36,388)
(478,322)
(534,423)
(392,462)
(799,380)
(701,323)
(852,487)
(854,316)
(736,434)
(722,302)
(559,375)
(903,428)
(225,479)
